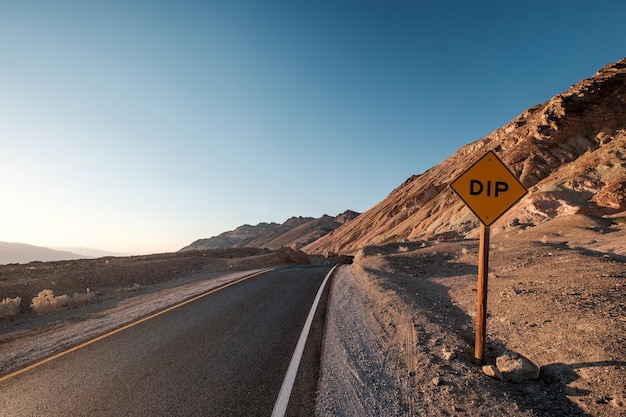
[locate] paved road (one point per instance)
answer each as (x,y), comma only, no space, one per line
(223,355)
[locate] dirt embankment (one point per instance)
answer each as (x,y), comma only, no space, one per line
(556,295)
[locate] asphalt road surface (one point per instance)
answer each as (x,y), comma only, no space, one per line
(223,355)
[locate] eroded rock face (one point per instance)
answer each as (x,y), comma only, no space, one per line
(570,152)
(294,233)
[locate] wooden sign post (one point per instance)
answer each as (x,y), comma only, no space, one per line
(489,189)
(481,297)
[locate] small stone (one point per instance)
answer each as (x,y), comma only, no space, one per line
(493,372)
(448,355)
(436,381)
(618,402)
(516,368)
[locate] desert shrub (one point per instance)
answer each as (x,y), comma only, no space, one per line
(9,307)
(80,299)
(46,302)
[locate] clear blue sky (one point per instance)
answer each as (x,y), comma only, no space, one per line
(141,126)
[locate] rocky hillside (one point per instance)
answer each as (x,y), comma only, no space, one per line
(570,152)
(295,233)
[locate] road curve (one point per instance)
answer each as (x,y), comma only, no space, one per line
(223,355)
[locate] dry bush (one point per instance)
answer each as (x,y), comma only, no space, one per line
(46,302)
(9,307)
(78,299)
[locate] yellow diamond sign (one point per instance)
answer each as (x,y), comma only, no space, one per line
(489,188)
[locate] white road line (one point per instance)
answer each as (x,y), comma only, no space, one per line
(280,407)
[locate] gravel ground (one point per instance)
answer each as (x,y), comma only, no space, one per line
(556,296)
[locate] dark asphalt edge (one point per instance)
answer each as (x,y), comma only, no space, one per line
(304,392)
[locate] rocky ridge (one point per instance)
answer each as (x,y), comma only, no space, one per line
(570,152)
(294,233)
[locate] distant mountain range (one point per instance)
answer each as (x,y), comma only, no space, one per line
(295,233)
(91,252)
(19,253)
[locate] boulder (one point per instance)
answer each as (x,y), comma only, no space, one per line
(515,367)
